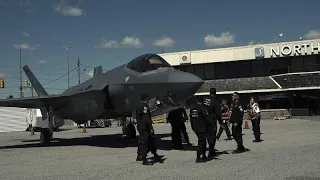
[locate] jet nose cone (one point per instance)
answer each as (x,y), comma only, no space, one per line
(183,77)
(184,85)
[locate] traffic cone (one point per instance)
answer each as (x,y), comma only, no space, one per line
(84,128)
(246,125)
(32,131)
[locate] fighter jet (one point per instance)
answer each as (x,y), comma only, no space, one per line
(113,94)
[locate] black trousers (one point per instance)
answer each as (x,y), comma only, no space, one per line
(202,144)
(211,136)
(146,144)
(237,134)
(176,135)
(256,128)
(183,130)
(226,129)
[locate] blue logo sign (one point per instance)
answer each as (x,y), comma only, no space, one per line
(259,52)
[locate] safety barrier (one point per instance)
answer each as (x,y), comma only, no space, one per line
(158,119)
(281,114)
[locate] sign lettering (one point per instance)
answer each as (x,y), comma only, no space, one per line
(295,49)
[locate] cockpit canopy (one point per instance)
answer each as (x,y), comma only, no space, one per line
(147,62)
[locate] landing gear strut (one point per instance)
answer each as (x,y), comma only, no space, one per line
(47,133)
(128,129)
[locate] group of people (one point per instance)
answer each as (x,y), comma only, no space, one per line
(204,116)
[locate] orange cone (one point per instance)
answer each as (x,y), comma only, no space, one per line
(84,128)
(246,125)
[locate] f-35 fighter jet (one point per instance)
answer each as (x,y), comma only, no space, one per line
(113,94)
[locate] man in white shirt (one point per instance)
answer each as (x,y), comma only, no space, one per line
(254,115)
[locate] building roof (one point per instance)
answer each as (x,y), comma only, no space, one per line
(272,50)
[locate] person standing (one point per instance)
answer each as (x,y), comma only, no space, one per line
(225,119)
(213,108)
(255,117)
(236,119)
(199,125)
(146,132)
(183,128)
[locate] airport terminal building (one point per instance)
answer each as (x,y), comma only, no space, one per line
(279,75)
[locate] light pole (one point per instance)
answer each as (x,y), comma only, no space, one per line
(68,62)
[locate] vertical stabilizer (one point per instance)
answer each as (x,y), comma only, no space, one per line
(34,82)
(37,87)
(97,71)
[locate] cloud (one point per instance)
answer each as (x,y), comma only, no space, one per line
(225,38)
(313,34)
(108,44)
(43,62)
(133,42)
(67,10)
(2,75)
(27,46)
(164,42)
(25,34)
(251,43)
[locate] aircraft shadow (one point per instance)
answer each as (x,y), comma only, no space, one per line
(107,141)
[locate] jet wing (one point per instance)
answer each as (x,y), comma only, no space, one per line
(34,102)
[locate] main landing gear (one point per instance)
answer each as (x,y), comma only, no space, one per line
(128,129)
(47,133)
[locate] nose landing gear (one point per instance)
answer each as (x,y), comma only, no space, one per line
(47,133)
(128,129)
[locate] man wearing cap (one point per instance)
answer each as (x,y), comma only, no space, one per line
(236,121)
(213,108)
(146,132)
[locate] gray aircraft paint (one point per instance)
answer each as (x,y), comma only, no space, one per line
(115,93)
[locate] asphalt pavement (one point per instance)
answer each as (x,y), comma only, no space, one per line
(290,151)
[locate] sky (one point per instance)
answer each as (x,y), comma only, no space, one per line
(113,32)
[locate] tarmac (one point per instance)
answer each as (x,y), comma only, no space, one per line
(290,151)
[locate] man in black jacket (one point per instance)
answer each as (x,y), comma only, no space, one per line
(199,125)
(236,121)
(146,132)
(213,108)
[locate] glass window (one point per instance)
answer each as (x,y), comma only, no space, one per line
(296,64)
(199,71)
(189,69)
(147,62)
(245,69)
(153,63)
(209,71)
(257,68)
(221,70)
(310,60)
(136,64)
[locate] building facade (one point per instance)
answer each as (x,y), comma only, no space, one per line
(278,75)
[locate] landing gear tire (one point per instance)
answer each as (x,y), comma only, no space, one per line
(45,137)
(131,131)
